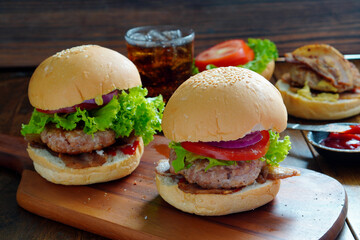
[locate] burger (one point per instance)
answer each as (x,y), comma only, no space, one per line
(225,149)
(258,55)
(320,84)
(91,118)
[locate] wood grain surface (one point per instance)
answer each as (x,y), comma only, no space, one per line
(33,30)
(131,208)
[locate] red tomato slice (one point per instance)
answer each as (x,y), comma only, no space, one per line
(228,53)
(253,152)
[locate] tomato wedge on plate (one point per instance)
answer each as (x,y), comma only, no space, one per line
(252,152)
(228,53)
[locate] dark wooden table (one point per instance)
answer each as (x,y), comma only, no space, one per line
(30,31)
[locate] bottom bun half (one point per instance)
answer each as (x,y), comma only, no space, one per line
(301,107)
(248,198)
(54,170)
(269,70)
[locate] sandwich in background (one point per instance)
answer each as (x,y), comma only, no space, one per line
(321,84)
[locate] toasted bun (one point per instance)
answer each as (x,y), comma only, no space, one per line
(80,73)
(248,198)
(301,107)
(223,104)
(54,170)
(269,70)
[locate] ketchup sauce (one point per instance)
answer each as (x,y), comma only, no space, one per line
(128,149)
(349,139)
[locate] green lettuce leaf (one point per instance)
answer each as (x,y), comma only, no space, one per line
(184,159)
(36,124)
(278,149)
(129,111)
(195,69)
(276,153)
(265,51)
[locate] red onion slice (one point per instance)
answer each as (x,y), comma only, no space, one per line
(87,104)
(248,140)
(106,99)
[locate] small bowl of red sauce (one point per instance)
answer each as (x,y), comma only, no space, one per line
(344,145)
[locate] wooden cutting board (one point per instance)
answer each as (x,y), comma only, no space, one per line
(311,206)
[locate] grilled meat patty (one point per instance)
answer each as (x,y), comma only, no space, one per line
(76,141)
(234,176)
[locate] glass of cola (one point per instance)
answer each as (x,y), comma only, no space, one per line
(163,55)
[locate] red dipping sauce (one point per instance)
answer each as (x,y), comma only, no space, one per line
(349,139)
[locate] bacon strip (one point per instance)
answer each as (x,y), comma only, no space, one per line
(328,63)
